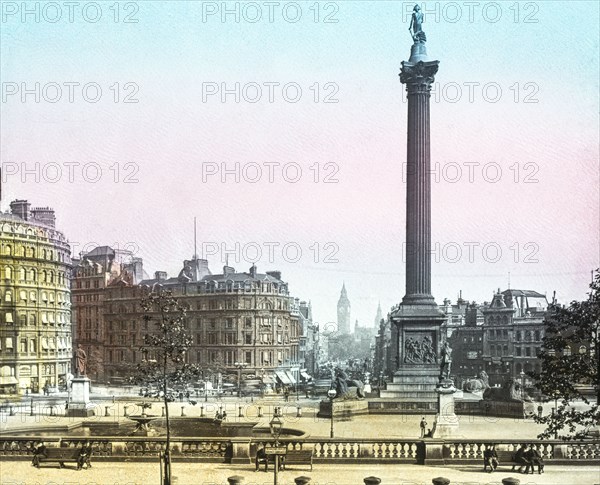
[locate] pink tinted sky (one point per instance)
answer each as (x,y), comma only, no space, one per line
(547,230)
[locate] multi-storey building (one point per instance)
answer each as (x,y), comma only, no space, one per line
(91,274)
(513,333)
(238,321)
(309,340)
(35,303)
(384,361)
(501,338)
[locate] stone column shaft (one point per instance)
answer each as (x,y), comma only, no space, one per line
(418,79)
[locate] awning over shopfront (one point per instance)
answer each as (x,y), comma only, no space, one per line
(305,376)
(290,377)
(8,380)
(268,379)
(283,377)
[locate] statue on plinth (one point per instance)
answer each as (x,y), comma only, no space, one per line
(416,23)
(445,361)
(80,361)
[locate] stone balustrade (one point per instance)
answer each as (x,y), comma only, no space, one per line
(242,450)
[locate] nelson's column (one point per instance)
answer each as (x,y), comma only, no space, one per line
(417,319)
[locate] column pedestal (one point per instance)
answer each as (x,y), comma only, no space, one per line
(80,405)
(446,421)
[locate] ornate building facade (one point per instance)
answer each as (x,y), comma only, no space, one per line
(505,342)
(238,321)
(35,302)
(502,337)
(92,274)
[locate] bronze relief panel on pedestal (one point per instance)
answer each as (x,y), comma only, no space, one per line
(419,348)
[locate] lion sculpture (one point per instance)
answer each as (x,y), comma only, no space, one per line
(347,388)
(478,384)
(510,391)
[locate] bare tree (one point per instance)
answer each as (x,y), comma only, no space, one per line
(164,351)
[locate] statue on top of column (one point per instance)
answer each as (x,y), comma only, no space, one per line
(415,24)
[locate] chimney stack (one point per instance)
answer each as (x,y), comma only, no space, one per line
(20,208)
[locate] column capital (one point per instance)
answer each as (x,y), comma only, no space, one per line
(418,76)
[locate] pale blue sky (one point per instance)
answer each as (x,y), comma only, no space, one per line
(170,133)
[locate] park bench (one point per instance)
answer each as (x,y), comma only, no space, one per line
(505,457)
(269,460)
(298,457)
(62,456)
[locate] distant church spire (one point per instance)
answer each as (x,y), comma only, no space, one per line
(378,316)
(343,312)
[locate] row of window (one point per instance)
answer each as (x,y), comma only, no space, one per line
(87,284)
(498,320)
(30,345)
(31,275)
(529,336)
(247,285)
(214,357)
(212,338)
(32,296)
(86,298)
(208,323)
(527,351)
(503,351)
(45,318)
(30,252)
(226,304)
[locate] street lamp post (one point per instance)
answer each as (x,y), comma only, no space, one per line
(240,366)
(296,371)
(275,425)
(331,395)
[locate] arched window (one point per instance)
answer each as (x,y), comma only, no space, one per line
(33,275)
(8,250)
(22,274)
(8,273)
